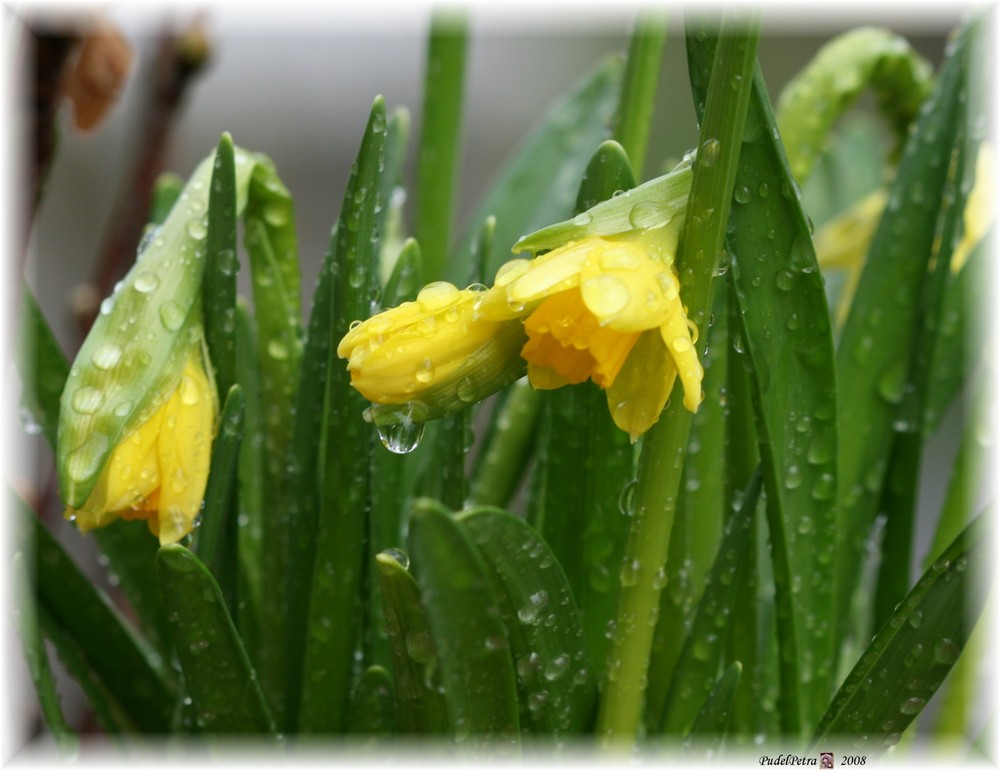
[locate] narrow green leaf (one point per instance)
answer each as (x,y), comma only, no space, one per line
(127,671)
(507,448)
(372,704)
(664,445)
(250,496)
(216,541)
(392,193)
(556,680)
(713,719)
(440,142)
(827,87)
(788,337)
(464,618)
(42,367)
(218,674)
(703,650)
(913,652)
(26,621)
(420,706)
(638,93)
(219,287)
(407,276)
(539,183)
(870,375)
(344,456)
(694,539)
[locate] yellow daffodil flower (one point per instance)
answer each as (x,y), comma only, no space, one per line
(606,309)
(159,471)
(433,355)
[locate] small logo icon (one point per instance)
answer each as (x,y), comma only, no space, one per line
(826,759)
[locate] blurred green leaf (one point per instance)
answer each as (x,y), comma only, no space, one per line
(372,704)
(392,193)
(638,92)
(556,679)
(336,620)
(872,373)
(440,140)
(786,329)
(33,646)
(166,190)
(713,718)
(218,675)
(700,659)
(829,84)
(539,182)
(114,666)
(42,367)
(507,446)
(910,656)
(464,618)
(420,706)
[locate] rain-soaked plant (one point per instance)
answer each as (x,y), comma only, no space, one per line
(651,487)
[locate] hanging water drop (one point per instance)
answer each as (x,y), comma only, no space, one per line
(402,437)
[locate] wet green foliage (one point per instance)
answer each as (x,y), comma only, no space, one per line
(521,580)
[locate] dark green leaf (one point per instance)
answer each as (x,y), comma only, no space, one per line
(125,671)
(216,542)
(336,622)
(786,330)
(910,656)
(578,514)
(556,680)
(372,704)
(464,618)
(219,287)
(420,707)
(218,675)
(26,620)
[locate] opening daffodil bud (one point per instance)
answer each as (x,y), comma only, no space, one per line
(603,303)
(431,357)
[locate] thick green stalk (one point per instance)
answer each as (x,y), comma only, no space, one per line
(642,73)
(440,141)
(662,459)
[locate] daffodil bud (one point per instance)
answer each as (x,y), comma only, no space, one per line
(138,411)
(431,357)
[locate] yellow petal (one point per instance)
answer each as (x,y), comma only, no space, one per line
(554,272)
(184,449)
(627,290)
(640,391)
(677,336)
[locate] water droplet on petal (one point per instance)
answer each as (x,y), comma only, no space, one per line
(106,356)
(146,282)
(425,371)
(171,316)
(87,400)
(196,229)
(399,556)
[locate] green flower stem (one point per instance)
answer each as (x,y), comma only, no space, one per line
(638,95)
(662,459)
(440,140)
